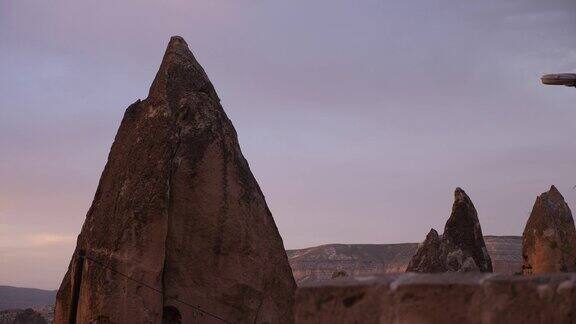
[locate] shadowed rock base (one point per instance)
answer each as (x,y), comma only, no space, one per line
(440,299)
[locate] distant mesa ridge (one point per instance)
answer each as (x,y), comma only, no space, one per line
(317,264)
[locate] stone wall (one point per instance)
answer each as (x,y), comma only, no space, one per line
(440,298)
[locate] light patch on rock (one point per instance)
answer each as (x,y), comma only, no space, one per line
(549,232)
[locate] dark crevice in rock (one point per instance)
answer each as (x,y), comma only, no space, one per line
(218,246)
(350,301)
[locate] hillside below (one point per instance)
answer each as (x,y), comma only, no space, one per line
(322,262)
(319,263)
(20,298)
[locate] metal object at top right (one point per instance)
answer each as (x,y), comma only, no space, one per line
(565,79)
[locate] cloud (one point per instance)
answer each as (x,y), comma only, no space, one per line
(18,237)
(33,257)
(42,239)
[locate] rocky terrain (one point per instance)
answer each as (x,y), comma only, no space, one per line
(319,263)
(461,247)
(179,227)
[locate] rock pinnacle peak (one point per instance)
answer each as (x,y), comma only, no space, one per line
(460,194)
(179,74)
(176,39)
(433,232)
(554,192)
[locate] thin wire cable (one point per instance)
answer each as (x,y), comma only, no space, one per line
(152,288)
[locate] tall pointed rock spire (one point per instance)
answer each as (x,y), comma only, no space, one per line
(178,226)
(461,247)
(464,233)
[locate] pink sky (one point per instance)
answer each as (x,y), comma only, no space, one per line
(358,119)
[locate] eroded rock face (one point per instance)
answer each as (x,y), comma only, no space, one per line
(178,209)
(427,257)
(461,248)
(549,238)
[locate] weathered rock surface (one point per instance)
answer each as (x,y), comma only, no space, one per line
(549,238)
(316,264)
(178,211)
(439,298)
(428,257)
(461,247)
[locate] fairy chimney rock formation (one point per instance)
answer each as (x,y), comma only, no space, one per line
(178,226)
(549,238)
(461,247)
(427,257)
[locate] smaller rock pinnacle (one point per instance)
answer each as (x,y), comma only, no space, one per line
(460,248)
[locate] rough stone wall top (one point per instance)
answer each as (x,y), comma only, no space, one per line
(549,238)
(178,210)
(439,298)
(461,247)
